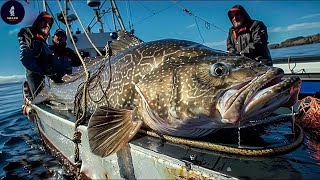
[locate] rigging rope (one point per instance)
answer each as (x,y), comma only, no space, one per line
(100,17)
(195,19)
(102,4)
(38,6)
(47,5)
(153,13)
(207,24)
(85,32)
(77,134)
(95,17)
(129,15)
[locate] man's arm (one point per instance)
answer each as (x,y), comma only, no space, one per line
(230,45)
(260,37)
(74,58)
(29,51)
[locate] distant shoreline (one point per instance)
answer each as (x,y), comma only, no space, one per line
(297,41)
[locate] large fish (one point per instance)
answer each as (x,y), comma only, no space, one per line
(176,87)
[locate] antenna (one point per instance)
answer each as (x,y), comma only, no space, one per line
(114,12)
(95,4)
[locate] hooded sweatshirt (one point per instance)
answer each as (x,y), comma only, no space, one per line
(251,40)
(35,54)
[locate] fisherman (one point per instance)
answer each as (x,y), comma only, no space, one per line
(35,54)
(65,58)
(248,37)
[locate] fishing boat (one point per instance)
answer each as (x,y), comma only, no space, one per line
(245,153)
(152,156)
(307,68)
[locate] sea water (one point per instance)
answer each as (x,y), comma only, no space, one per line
(304,50)
(23,156)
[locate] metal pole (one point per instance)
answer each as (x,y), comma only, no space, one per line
(66,13)
(97,12)
(114,6)
(113,19)
(66,7)
(44,6)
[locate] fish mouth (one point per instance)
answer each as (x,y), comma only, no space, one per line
(259,97)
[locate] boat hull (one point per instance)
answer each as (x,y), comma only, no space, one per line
(131,162)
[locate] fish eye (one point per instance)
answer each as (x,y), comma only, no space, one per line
(218,69)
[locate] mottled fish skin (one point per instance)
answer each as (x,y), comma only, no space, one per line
(65,92)
(183,88)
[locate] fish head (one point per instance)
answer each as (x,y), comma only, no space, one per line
(253,95)
(221,89)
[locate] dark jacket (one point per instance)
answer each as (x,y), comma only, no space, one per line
(65,59)
(251,40)
(35,53)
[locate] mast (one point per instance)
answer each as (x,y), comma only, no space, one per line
(66,7)
(115,9)
(97,13)
(44,5)
(113,19)
(114,13)
(66,13)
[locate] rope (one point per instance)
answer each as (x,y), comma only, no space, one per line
(153,13)
(38,6)
(84,30)
(207,24)
(102,4)
(77,134)
(195,19)
(38,89)
(98,81)
(228,149)
(129,15)
(47,5)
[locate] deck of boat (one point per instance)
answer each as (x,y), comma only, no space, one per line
(285,166)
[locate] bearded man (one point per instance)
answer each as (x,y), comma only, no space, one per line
(35,54)
(248,37)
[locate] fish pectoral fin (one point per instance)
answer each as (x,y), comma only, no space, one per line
(110,129)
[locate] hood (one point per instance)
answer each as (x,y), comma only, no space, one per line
(40,16)
(240,9)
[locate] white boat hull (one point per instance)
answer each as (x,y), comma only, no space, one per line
(132,162)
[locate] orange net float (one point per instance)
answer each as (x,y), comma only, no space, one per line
(309,112)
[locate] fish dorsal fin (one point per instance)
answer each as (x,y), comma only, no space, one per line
(110,129)
(124,41)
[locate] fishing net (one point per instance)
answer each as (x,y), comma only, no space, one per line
(309,112)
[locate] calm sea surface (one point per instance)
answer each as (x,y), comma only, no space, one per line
(305,50)
(23,156)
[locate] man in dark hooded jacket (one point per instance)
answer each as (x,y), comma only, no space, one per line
(35,53)
(65,58)
(248,37)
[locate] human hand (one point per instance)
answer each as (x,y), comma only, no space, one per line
(233,52)
(37,47)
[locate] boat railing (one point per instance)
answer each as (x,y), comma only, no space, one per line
(307,67)
(296,59)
